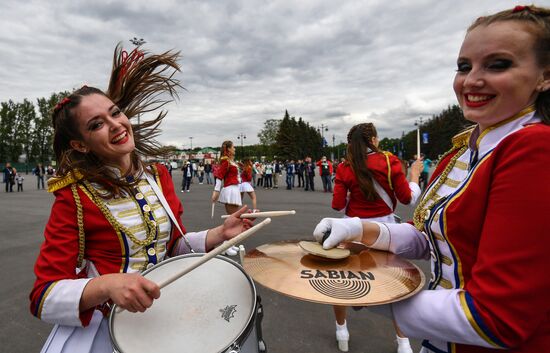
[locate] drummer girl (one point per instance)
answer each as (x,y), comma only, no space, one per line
(246,185)
(113,214)
(368,185)
(482,221)
(228,174)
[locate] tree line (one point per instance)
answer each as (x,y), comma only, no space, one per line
(26,129)
(291,138)
(440,129)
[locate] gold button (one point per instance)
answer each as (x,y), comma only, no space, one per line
(151,251)
(139,196)
(154,223)
(146,208)
(149,265)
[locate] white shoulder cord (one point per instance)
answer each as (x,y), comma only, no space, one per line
(167,208)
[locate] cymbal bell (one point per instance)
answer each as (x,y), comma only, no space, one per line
(367,277)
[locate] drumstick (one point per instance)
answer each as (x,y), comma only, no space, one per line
(209,255)
(213,204)
(264,214)
(215,252)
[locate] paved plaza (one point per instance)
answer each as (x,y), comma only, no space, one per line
(289,325)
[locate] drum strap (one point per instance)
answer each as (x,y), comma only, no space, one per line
(167,208)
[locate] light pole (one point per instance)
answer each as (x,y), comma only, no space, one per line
(322,130)
(418,124)
(191,142)
(137,42)
(242,137)
(332,153)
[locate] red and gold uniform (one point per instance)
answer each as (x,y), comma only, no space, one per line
(387,170)
(229,175)
(84,239)
(485,229)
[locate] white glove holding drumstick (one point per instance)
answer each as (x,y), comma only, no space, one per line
(332,231)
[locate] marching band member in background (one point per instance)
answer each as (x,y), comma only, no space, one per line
(368,185)
(246,184)
(228,175)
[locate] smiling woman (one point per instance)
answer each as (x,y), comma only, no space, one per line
(114,215)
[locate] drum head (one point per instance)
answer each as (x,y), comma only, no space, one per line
(204,311)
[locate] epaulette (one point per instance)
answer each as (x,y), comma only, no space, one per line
(387,153)
(59,182)
(461,139)
(224,157)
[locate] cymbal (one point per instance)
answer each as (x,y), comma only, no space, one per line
(315,248)
(367,277)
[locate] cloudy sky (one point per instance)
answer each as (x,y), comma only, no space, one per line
(333,63)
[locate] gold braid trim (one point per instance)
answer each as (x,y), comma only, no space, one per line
(422,211)
(80,222)
(461,139)
(59,182)
(387,155)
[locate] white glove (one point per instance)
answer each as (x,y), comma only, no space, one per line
(339,230)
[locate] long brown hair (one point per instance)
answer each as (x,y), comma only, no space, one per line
(538,21)
(359,142)
(226,145)
(136,87)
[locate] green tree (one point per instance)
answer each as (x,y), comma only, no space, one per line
(42,150)
(268,135)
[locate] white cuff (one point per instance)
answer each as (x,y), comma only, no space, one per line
(415,193)
(62,304)
(384,238)
(218,186)
(197,240)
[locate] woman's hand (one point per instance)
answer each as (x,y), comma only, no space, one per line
(130,291)
(416,169)
(234,225)
(215,196)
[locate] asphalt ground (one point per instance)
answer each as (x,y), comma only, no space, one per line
(289,325)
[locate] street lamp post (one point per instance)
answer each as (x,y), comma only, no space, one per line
(191,142)
(242,137)
(418,124)
(322,130)
(137,42)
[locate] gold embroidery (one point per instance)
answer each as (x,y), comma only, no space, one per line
(452,183)
(438,236)
(461,165)
(423,210)
(445,283)
(128,213)
(80,222)
(446,260)
(151,226)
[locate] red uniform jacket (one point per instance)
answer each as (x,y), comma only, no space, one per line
(228,172)
(58,255)
(246,175)
(384,173)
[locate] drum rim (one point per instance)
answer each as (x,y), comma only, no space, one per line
(241,337)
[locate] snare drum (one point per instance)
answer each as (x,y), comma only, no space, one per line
(213,308)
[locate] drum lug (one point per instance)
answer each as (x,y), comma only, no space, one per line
(235,348)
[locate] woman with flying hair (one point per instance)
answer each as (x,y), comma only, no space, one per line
(113,214)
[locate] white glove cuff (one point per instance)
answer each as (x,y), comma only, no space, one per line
(218,186)
(355,228)
(384,237)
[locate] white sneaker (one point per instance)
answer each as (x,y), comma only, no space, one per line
(342,337)
(232,251)
(403,345)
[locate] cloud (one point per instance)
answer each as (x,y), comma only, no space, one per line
(243,62)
